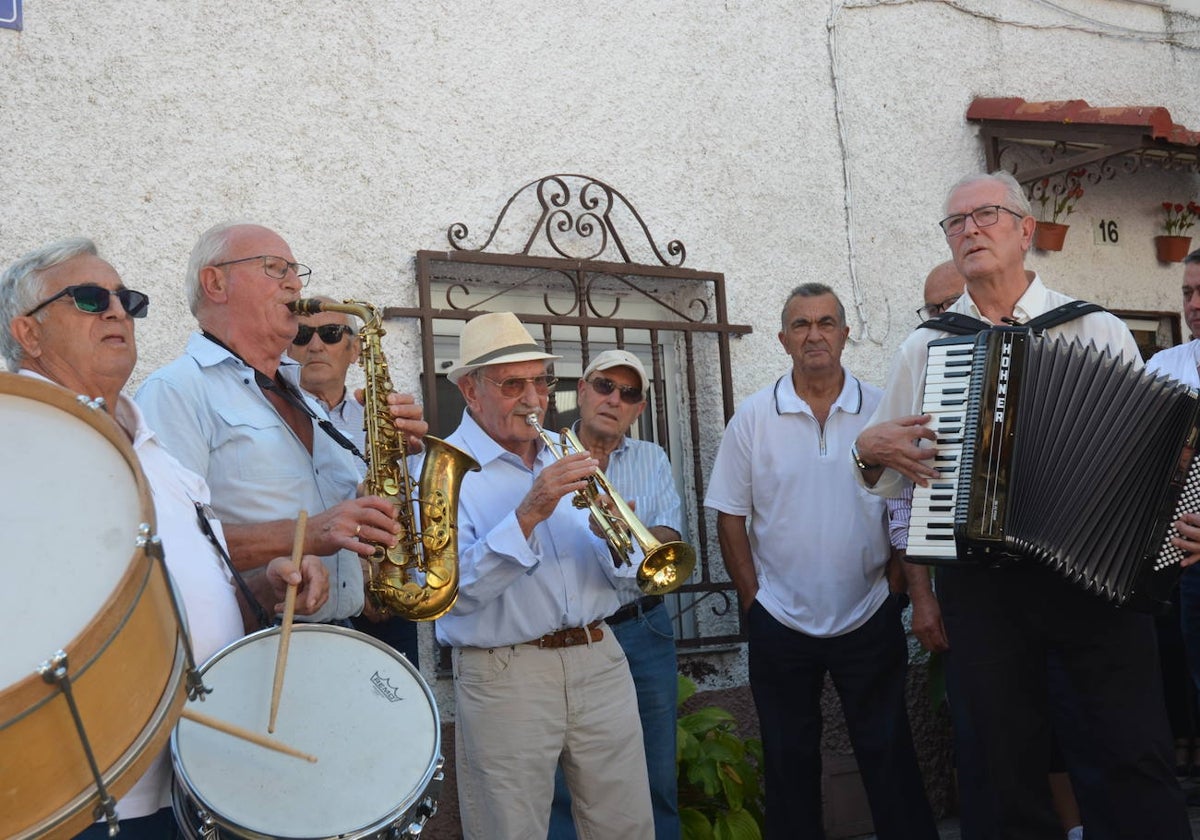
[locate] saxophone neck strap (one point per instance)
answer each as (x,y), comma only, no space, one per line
(285,391)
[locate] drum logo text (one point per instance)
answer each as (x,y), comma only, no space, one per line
(384,686)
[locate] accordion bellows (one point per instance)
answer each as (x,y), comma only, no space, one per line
(1059,454)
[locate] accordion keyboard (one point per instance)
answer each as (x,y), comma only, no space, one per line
(931,528)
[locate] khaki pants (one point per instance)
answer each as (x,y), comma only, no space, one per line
(518,709)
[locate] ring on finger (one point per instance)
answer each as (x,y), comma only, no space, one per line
(358,529)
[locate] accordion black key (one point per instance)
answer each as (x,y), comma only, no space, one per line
(1059,454)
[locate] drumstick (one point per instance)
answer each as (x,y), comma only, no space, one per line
(285,630)
(245,734)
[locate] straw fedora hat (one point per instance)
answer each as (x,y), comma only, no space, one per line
(495,338)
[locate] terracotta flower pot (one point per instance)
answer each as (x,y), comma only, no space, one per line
(1172,248)
(1049,236)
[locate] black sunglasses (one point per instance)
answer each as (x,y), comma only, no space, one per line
(330,333)
(95,300)
(604,386)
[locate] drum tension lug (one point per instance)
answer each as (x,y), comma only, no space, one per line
(56,671)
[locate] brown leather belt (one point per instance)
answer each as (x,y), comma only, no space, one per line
(570,637)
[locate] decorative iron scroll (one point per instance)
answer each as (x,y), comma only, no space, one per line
(582,217)
(1054,169)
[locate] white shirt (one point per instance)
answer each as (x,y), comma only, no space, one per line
(347,418)
(906,381)
(818,540)
(1178,363)
(511,589)
(201,576)
(214,418)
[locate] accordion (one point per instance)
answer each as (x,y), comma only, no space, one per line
(1058,454)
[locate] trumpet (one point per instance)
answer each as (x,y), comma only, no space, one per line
(664,566)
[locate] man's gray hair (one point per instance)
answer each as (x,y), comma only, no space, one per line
(209,249)
(807,290)
(1014,199)
(21,288)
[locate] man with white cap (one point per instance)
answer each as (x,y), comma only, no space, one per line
(538,676)
(612,396)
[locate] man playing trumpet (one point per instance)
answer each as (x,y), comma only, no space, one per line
(538,676)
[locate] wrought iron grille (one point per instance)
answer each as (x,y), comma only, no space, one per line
(573,280)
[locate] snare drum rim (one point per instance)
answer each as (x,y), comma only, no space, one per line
(191,798)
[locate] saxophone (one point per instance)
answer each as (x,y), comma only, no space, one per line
(418,577)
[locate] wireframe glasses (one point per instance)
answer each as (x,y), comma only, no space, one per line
(274,267)
(604,386)
(514,386)
(329,333)
(984,216)
(95,300)
(932,310)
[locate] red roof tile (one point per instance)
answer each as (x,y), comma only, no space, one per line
(1076,112)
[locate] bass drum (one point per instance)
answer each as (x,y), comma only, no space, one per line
(73,503)
(351,701)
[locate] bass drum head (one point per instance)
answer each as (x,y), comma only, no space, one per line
(350,700)
(69,512)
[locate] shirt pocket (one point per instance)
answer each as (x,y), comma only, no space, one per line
(259,446)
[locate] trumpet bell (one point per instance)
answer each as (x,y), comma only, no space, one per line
(665,568)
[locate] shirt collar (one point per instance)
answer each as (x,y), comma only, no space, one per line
(485,449)
(209,354)
(787,401)
(1028,306)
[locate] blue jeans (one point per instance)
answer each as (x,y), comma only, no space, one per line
(649,644)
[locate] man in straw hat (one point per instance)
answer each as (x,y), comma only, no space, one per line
(538,676)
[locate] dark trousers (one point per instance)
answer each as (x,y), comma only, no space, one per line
(787,672)
(1107,711)
(158,826)
(400,633)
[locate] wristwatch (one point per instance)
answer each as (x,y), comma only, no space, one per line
(858,461)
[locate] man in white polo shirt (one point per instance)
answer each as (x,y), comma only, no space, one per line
(811,573)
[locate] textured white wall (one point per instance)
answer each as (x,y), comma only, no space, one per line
(361,131)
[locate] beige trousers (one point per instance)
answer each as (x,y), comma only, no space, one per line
(518,709)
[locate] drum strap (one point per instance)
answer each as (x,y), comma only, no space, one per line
(264,620)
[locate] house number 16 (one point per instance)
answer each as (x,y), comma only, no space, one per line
(1106,232)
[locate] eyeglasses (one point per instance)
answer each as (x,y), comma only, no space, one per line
(604,386)
(932,310)
(274,267)
(329,333)
(984,216)
(95,300)
(514,386)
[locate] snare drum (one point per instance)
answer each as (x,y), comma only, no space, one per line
(72,500)
(351,701)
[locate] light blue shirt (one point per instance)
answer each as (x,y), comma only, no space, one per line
(212,416)
(641,473)
(511,589)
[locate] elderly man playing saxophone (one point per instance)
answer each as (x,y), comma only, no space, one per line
(66,318)
(232,410)
(538,675)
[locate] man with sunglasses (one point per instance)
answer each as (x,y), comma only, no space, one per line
(326,345)
(66,318)
(232,410)
(612,396)
(538,676)
(1005,625)
(808,552)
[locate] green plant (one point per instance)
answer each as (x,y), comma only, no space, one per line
(720,775)
(1180,217)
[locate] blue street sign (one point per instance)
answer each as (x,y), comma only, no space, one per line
(10,14)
